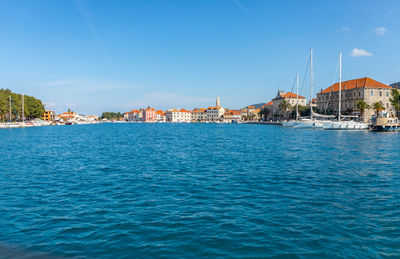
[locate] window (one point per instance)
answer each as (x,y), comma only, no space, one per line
(380,93)
(372,93)
(359,93)
(387,94)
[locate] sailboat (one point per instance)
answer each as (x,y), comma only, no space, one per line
(339,124)
(311,122)
(291,123)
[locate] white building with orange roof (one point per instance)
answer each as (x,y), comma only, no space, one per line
(160,116)
(134,115)
(232,116)
(186,116)
(182,115)
(215,113)
(367,89)
(291,98)
(199,115)
(68,116)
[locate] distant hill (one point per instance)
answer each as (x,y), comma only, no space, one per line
(257,105)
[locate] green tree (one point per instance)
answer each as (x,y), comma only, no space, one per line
(378,106)
(283,108)
(265,113)
(362,105)
(111,115)
(33,108)
(395,101)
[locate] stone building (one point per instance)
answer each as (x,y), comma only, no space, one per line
(289,97)
(354,90)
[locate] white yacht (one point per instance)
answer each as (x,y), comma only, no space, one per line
(341,124)
(345,125)
(312,122)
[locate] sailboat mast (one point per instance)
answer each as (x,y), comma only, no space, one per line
(311,81)
(23,108)
(340,85)
(9,100)
(297,93)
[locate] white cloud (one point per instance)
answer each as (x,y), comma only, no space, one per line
(380,31)
(344,29)
(360,53)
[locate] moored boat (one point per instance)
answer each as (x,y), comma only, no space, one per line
(385,124)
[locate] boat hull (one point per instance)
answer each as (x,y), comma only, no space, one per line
(345,125)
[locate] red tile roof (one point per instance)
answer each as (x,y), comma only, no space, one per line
(365,82)
(268,103)
(292,95)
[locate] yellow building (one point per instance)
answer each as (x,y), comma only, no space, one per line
(48,115)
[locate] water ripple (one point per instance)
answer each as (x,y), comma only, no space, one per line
(195,190)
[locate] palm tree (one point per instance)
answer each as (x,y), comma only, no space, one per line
(284,107)
(362,105)
(378,106)
(395,101)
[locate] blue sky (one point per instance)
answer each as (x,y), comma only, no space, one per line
(94,56)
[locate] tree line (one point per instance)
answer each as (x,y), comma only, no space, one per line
(33,108)
(111,115)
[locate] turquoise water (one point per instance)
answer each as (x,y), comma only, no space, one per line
(198,190)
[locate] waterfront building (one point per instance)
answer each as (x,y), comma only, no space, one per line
(49,116)
(73,117)
(199,115)
(149,115)
(215,113)
(313,103)
(185,116)
(232,116)
(291,98)
(68,116)
(172,115)
(182,115)
(160,116)
(91,118)
(353,91)
(269,107)
(395,85)
(134,115)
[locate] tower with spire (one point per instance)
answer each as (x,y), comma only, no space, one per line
(217,103)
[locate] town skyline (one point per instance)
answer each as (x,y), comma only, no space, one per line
(95,57)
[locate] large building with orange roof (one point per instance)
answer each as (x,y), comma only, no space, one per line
(160,116)
(134,115)
(353,91)
(199,115)
(215,113)
(182,115)
(149,115)
(292,98)
(232,116)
